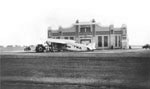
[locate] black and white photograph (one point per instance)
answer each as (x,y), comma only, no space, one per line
(74,44)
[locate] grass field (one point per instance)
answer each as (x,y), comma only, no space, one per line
(73,70)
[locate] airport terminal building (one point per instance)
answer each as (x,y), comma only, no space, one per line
(105,37)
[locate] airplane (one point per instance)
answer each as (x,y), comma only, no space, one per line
(54,45)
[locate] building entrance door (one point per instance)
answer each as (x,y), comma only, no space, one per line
(85,41)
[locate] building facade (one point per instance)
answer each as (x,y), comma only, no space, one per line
(105,37)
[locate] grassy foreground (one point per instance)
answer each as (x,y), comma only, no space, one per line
(75,70)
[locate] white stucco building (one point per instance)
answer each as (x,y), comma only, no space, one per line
(105,37)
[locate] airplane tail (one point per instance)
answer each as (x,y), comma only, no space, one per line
(91,46)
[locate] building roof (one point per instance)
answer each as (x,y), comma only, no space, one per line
(85,23)
(98,25)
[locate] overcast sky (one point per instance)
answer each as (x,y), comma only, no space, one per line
(25,22)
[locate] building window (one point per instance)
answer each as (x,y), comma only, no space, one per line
(116,41)
(88,29)
(124,38)
(85,28)
(82,29)
(65,37)
(105,41)
(57,37)
(119,41)
(71,38)
(99,41)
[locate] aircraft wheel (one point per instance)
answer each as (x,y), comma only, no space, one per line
(88,49)
(40,48)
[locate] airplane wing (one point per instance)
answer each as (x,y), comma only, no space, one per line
(61,41)
(56,41)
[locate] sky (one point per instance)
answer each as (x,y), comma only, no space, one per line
(25,22)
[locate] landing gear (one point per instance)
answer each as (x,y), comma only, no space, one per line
(88,49)
(39,48)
